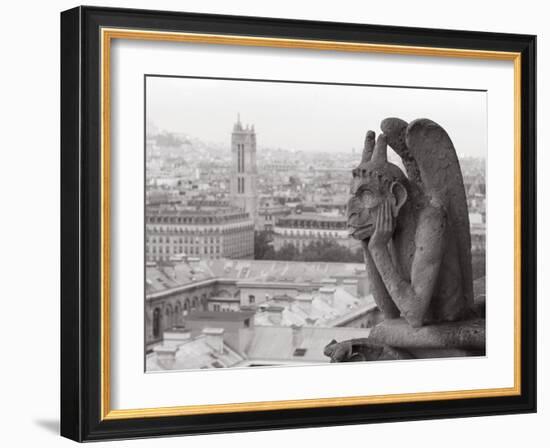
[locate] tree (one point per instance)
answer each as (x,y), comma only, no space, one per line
(263,249)
(168,139)
(330,250)
(327,250)
(288,252)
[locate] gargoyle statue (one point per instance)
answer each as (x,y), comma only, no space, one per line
(414,228)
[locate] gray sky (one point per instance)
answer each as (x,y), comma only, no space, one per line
(310,117)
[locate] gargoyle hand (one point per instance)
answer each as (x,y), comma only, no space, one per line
(384,227)
(338,351)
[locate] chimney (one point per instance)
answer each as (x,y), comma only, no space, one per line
(305,302)
(252,308)
(353,285)
(329,281)
(166,356)
(283,300)
(175,337)
(327,294)
(214,338)
(193,262)
(275,314)
(297,336)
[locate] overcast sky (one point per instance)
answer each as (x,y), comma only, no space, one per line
(310,117)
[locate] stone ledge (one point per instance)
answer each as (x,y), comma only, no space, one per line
(469,335)
(356,350)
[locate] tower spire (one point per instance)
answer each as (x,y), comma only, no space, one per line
(244,172)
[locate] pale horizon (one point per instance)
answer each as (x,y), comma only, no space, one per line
(310,117)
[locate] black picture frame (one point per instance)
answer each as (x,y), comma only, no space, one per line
(81,226)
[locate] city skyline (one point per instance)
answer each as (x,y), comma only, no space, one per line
(319,118)
(246,244)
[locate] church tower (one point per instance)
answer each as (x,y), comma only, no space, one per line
(243,168)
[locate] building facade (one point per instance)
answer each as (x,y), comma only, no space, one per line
(206,232)
(269,211)
(301,229)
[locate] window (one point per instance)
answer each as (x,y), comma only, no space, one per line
(238,158)
(177,313)
(251,299)
(156,323)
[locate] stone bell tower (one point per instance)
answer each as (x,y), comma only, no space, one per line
(243,168)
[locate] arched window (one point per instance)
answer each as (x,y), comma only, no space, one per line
(168,317)
(177,314)
(186,307)
(156,323)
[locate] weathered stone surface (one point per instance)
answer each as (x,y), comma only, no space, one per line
(416,240)
(356,350)
(426,353)
(414,228)
(466,335)
(396,339)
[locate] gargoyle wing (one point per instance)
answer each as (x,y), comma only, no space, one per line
(431,161)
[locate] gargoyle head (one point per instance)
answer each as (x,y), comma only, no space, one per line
(374,181)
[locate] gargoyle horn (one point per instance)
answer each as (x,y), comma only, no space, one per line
(380,153)
(369,147)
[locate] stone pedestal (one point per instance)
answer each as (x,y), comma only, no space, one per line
(396,339)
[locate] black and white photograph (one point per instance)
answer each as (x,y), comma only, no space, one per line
(284,222)
(302,223)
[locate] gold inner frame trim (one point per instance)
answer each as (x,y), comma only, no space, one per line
(107,35)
